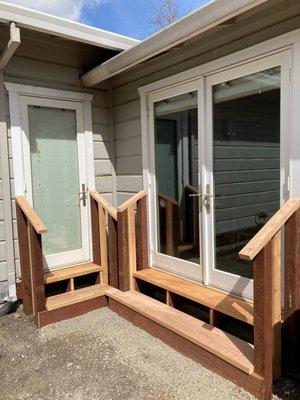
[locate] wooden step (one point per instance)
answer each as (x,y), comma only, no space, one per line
(223,345)
(76,296)
(71,272)
(222,302)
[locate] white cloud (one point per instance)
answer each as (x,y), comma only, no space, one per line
(70,9)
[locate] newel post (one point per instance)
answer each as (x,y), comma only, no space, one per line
(126,247)
(291,332)
(267,310)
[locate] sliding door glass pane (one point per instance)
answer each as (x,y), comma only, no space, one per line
(176,168)
(55,178)
(246,157)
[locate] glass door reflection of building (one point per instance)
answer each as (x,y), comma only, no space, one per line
(176,169)
(246,163)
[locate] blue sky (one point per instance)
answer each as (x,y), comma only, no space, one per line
(126,17)
(129,17)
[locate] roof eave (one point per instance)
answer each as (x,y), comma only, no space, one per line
(205,18)
(50,24)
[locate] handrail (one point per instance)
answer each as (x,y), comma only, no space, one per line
(269,230)
(167,198)
(31,215)
(132,200)
(104,203)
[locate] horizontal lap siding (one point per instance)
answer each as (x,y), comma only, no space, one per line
(247,30)
(55,64)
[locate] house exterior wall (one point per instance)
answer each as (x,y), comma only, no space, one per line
(245,32)
(52,63)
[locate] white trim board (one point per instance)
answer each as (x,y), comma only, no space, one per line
(62,27)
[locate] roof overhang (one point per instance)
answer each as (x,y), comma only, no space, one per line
(215,13)
(42,22)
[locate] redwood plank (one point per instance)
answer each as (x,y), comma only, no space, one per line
(103,244)
(263,316)
(24,260)
(113,252)
(142,234)
(37,270)
(292,296)
(95,231)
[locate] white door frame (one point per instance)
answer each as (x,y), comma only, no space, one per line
(196,78)
(20,96)
(172,264)
(214,277)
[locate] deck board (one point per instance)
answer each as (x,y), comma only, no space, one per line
(71,272)
(223,345)
(208,297)
(76,296)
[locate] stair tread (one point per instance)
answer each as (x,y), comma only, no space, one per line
(223,345)
(223,302)
(76,296)
(71,272)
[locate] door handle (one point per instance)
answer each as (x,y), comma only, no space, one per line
(83,193)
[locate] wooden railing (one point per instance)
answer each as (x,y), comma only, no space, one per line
(120,243)
(30,229)
(170,233)
(265,252)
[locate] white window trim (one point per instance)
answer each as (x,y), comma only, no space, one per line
(18,91)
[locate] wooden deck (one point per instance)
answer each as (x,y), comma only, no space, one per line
(223,345)
(71,272)
(210,298)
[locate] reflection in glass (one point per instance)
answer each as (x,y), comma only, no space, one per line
(55,177)
(246,155)
(176,167)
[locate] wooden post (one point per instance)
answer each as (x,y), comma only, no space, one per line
(113,252)
(24,260)
(141,234)
(37,270)
(277,325)
(263,316)
(170,228)
(126,247)
(103,244)
(95,231)
(291,331)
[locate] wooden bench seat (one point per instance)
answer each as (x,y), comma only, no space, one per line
(71,272)
(223,345)
(215,300)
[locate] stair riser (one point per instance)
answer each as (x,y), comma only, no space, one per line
(45,318)
(252,383)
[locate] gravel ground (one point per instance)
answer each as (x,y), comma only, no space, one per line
(100,356)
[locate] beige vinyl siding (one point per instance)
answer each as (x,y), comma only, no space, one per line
(269,20)
(55,63)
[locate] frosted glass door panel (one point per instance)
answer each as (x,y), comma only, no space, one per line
(55,176)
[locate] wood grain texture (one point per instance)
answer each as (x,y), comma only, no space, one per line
(95,231)
(104,203)
(75,297)
(24,260)
(113,269)
(45,318)
(36,270)
(126,247)
(31,215)
(260,240)
(103,244)
(291,330)
(132,200)
(142,234)
(263,316)
(225,346)
(71,272)
(222,302)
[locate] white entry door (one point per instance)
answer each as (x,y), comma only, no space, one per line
(56,178)
(246,163)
